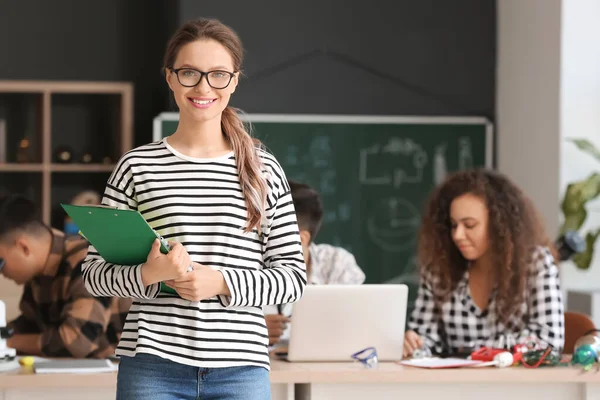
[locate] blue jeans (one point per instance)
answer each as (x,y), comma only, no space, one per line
(148,377)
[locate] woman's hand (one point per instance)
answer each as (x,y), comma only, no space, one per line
(199,284)
(412,342)
(161,267)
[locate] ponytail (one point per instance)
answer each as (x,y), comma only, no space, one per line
(252,181)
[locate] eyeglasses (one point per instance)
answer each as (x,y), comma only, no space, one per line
(367,357)
(2,264)
(189,77)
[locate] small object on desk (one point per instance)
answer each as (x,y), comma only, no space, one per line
(27,361)
(423,352)
(7,354)
(81,366)
(486,354)
(439,363)
(585,356)
(367,357)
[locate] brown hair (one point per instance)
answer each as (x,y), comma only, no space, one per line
(253,183)
(514,228)
(308,206)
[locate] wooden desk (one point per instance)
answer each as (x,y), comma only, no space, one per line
(318,381)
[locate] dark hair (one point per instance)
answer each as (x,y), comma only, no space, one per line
(18,213)
(309,208)
(253,183)
(514,228)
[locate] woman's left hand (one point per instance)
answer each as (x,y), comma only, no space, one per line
(200,284)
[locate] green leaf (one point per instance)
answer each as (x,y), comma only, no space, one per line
(584,260)
(588,147)
(576,197)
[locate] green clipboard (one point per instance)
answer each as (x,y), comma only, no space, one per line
(121,236)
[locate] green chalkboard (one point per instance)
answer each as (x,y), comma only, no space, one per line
(373,173)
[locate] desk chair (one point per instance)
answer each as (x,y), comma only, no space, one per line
(576,325)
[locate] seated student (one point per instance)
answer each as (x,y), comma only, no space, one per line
(487,269)
(325,264)
(59,318)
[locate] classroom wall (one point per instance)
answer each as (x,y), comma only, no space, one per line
(580,116)
(88,40)
(548,90)
(441,55)
(527,100)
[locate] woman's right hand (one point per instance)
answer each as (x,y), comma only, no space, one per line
(161,267)
(412,342)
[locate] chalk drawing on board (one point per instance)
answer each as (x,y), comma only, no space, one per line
(401,150)
(363,172)
(327,184)
(291,156)
(329,217)
(465,153)
(392,224)
(320,152)
(440,169)
(344,212)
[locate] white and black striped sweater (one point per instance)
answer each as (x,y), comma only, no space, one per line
(199,203)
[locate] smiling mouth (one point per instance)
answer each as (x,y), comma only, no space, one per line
(203,102)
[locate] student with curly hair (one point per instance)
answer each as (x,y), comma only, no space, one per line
(487,269)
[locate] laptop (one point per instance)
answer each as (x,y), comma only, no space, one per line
(332,322)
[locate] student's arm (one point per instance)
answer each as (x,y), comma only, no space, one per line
(284,277)
(84,320)
(544,301)
(425,318)
(26,322)
(26,338)
(111,280)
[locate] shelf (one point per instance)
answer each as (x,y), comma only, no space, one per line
(83,117)
(89,87)
(82,167)
(14,167)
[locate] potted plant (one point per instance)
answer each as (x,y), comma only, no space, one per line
(577,195)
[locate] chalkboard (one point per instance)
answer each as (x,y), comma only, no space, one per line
(373,173)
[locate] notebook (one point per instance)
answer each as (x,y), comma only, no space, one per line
(439,363)
(120,236)
(83,366)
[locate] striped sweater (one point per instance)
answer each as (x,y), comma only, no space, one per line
(199,203)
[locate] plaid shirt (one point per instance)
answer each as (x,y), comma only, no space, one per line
(57,305)
(463,325)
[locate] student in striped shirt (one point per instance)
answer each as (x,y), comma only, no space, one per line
(224,204)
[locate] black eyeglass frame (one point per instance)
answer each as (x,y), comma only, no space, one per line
(202,74)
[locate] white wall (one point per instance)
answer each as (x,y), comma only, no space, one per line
(527,100)
(580,114)
(548,90)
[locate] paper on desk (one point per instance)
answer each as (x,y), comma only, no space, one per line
(436,363)
(83,366)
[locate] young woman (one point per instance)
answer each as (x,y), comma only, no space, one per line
(487,269)
(225,206)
